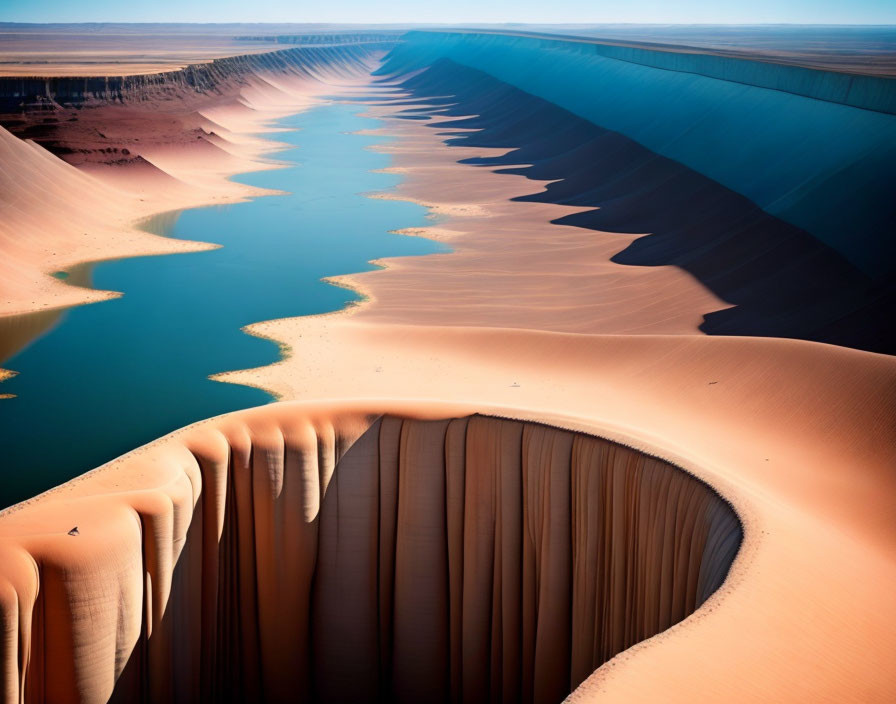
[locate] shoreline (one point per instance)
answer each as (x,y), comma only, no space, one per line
(60,294)
(237,137)
(154,244)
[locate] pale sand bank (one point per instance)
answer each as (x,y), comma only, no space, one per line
(57,216)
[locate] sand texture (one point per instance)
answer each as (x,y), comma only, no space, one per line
(631,440)
(142,146)
(445,570)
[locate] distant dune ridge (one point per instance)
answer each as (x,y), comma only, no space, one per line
(577,441)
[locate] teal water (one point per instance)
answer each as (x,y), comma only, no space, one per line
(111,376)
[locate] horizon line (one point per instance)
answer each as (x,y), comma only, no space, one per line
(463,24)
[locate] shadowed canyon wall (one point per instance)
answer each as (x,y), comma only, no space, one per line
(789,139)
(272,555)
(778,279)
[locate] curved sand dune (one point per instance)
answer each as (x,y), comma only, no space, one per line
(800,437)
(294,551)
(188,534)
(143,144)
(762,421)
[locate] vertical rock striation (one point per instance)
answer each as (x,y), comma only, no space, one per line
(473,559)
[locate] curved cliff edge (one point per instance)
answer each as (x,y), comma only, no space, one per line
(265,554)
(336,553)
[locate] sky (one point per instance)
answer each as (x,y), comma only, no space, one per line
(455,11)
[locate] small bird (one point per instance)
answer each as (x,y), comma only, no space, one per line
(74,531)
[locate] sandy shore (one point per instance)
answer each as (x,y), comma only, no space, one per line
(127,166)
(507,254)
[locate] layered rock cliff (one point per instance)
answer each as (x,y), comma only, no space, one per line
(288,554)
(26,94)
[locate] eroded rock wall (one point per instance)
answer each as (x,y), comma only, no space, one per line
(28,93)
(802,144)
(466,560)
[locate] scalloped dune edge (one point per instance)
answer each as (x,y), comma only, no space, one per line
(214,508)
(237,559)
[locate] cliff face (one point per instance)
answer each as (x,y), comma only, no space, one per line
(287,555)
(804,145)
(24,94)
(602,188)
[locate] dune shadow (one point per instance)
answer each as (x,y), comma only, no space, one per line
(779,280)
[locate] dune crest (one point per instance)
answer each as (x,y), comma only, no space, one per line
(267,540)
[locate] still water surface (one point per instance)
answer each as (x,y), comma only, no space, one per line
(111,376)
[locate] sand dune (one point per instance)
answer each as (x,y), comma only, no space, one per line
(581,200)
(544,575)
(142,145)
(55,216)
(811,493)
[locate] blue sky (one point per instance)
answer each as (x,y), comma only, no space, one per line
(457,11)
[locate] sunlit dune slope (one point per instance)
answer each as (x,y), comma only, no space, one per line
(142,145)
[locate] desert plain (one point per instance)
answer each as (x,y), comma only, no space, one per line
(631,437)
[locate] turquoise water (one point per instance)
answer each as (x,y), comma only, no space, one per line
(111,376)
